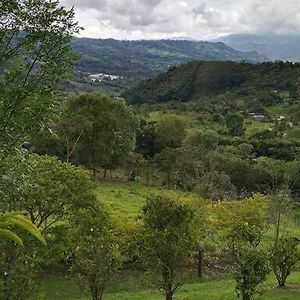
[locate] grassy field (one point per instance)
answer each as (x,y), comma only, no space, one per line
(59,288)
(125,201)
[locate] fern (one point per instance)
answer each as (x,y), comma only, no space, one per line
(16,219)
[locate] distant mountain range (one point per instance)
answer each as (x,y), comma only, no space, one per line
(134,60)
(199,80)
(274,46)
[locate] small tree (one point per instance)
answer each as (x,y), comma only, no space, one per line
(168,241)
(252,271)
(171,131)
(280,204)
(243,223)
(284,256)
(235,124)
(96,257)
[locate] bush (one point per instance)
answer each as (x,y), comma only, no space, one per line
(252,272)
(284,256)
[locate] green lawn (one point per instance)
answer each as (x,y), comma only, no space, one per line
(59,288)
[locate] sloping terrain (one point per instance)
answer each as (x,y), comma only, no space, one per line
(203,79)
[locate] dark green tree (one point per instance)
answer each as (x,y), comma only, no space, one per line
(35,55)
(108,131)
(235,124)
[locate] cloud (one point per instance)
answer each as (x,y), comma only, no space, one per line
(133,19)
(274,16)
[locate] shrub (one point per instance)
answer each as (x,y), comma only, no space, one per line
(284,255)
(251,273)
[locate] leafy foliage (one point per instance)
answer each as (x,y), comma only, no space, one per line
(35,56)
(253,270)
(108,131)
(168,241)
(97,256)
(8,220)
(284,255)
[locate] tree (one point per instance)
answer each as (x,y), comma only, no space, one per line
(252,271)
(147,140)
(216,186)
(133,165)
(235,124)
(109,130)
(168,241)
(280,204)
(284,255)
(55,190)
(171,131)
(204,231)
(35,55)
(71,130)
(280,126)
(97,255)
(243,223)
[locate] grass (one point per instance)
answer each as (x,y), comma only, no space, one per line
(59,288)
(125,200)
(252,126)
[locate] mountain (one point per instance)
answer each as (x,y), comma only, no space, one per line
(274,46)
(198,79)
(132,60)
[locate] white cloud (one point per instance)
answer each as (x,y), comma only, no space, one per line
(134,19)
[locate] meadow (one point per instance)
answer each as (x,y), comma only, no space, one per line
(125,201)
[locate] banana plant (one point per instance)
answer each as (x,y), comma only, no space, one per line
(10,220)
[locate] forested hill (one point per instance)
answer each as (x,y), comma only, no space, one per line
(121,63)
(145,58)
(199,79)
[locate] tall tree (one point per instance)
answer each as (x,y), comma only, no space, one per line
(35,55)
(108,133)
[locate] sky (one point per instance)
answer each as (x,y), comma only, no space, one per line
(198,19)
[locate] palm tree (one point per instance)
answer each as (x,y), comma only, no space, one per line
(9,220)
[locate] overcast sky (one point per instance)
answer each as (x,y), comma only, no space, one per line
(201,19)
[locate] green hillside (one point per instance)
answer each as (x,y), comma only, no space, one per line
(134,60)
(199,79)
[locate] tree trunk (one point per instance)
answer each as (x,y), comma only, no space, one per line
(281,282)
(200,262)
(246,297)
(169,296)
(105,173)
(96,291)
(5,293)
(277,228)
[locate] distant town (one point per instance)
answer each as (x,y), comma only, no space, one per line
(103,77)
